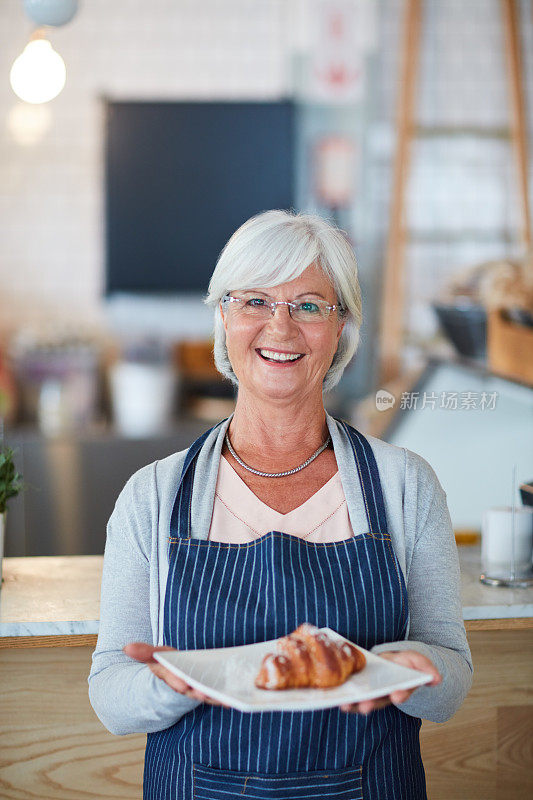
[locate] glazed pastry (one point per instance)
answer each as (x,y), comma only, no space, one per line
(309,658)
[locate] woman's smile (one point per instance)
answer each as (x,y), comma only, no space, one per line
(279,357)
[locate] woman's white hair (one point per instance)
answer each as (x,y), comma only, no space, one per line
(275,247)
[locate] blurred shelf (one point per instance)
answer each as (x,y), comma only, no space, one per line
(72,483)
(457,237)
(99,432)
(461,131)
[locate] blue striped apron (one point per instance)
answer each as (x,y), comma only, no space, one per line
(222,595)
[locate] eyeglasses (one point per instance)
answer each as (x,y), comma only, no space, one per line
(256,307)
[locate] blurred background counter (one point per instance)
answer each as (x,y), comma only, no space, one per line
(59,596)
(73,482)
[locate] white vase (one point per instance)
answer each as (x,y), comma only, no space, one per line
(142,396)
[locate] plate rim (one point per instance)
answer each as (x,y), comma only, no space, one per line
(416,681)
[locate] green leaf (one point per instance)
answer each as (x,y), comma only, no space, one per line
(11,482)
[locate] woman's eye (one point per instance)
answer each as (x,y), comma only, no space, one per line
(309,307)
(254,302)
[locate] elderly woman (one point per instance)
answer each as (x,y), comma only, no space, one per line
(280,515)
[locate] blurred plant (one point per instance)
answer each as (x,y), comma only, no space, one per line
(11,482)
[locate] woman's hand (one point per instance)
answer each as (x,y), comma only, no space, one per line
(145,654)
(407,658)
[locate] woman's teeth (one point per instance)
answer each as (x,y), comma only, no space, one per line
(273,356)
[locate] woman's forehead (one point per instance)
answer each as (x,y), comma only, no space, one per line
(312,280)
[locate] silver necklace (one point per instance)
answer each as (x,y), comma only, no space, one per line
(276,474)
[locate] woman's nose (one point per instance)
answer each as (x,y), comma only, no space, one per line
(281,313)
(281,318)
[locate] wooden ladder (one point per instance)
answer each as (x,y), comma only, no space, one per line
(393,298)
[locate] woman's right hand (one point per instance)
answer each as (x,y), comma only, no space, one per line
(145,654)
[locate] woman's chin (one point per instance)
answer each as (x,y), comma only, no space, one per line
(280,389)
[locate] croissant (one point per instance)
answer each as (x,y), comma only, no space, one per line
(308,657)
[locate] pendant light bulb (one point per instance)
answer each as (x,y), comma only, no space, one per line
(39,73)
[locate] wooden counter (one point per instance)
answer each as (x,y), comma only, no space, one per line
(53,746)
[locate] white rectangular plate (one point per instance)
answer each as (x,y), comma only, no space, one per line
(227,674)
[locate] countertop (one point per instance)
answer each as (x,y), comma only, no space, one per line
(50,595)
(60,596)
(489,602)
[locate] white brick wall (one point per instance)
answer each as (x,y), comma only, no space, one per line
(51,199)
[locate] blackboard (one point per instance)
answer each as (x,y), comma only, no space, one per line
(180,178)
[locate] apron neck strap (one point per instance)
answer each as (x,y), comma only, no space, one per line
(180,521)
(368,472)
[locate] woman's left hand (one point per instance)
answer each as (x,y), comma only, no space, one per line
(407,658)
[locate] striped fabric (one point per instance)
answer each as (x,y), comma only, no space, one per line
(220,595)
(339,784)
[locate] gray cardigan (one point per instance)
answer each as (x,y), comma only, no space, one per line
(125,694)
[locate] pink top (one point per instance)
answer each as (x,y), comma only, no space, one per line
(240,516)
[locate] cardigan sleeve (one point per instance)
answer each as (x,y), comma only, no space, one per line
(433,587)
(126,696)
